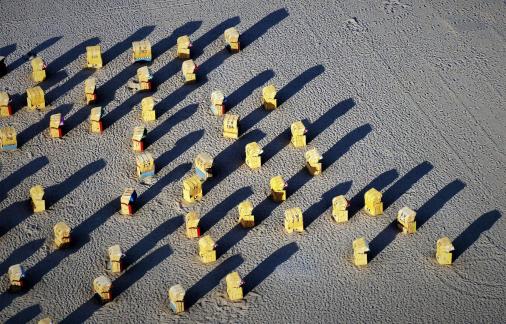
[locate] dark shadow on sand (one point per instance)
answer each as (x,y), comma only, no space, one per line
(283,94)
(20,254)
(19,211)
(294,86)
(37,49)
(405,183)
(121,79)
(80,236)
(267,267)
(25,315)
(380,182)
(121,284)
(315,128)
(230,159)
(298,180)
(424,213)
(155,189)
(126,44)
(261,27)
(220,210)
(473,232)
(42,125)
(8,50)
(13,179)
(217,59)
(164,127)
(181,146)
(148,242)
(211,280)
(322,205)
(434,204)
(247,89)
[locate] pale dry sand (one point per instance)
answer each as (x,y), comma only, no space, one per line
(407,96)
